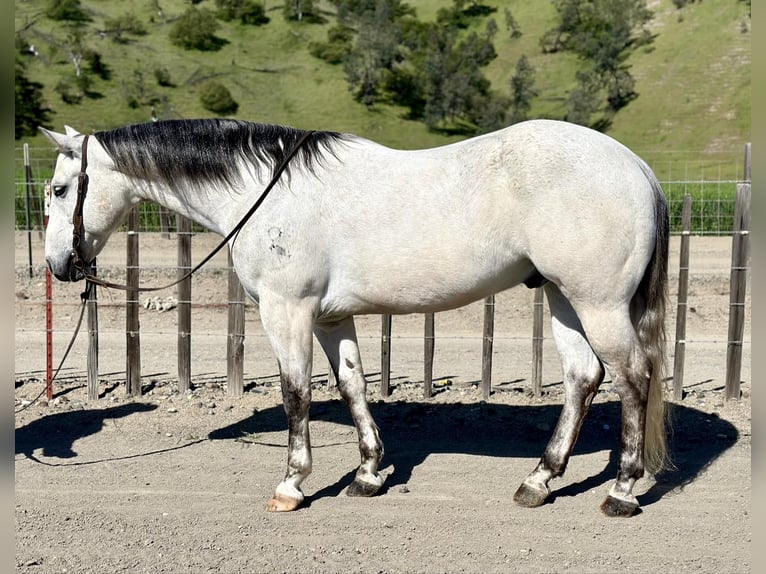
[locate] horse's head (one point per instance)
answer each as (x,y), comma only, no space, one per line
(103,209)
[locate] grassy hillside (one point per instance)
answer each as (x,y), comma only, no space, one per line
(693,81)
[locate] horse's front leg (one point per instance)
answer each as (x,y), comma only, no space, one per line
(340,345)
(289,327)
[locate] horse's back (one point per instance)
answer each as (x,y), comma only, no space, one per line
(428,230)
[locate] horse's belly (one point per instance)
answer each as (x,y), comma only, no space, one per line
(420,289)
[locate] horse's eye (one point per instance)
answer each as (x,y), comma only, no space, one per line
(59,190)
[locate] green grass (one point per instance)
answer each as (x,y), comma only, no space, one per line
(712,207)
(268,70)
(693,81)
(693,85)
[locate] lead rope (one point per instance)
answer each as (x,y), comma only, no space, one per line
(91,280)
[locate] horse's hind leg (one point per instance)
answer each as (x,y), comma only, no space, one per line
(583,373)
(340,345)
(613,337)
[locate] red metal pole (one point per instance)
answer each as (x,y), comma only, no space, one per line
(48,311)
(48,336)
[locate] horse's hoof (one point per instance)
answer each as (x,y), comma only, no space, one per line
(617,508)
(530,497)
(361,488)
(283,503)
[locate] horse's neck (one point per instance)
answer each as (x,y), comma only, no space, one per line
(207,207)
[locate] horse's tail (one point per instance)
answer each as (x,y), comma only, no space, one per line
(651,332)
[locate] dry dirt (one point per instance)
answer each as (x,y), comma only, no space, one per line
(178,482)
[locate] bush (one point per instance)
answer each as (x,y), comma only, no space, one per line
(339,43)
(128,23)
(66,10)
(216,98)
(246,11)
(162,75)
(72,89)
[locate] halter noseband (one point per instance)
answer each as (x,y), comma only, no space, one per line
(78,229)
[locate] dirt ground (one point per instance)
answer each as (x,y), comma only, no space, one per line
(178,482)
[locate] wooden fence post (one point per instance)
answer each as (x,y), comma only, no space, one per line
(428,355)
(184,293)
(740,255)
(385,356)
(133,366)
(332,383)
(487,345)
(537,343)
(235,351)
(92,340)
(683,290)
(164,222)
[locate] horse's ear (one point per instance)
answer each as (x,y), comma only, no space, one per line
(65,143)
(70,131)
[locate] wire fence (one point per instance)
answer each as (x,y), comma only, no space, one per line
(710,178)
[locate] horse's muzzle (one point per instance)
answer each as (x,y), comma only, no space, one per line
(68,272)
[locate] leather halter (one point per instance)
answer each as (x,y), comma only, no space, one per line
(79,229)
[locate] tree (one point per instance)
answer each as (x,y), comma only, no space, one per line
(454,85)
(76,50)
(196,29)
(522,90)
(603,33)
(375,49)
(30,109)
(511,25)
(583,101)
(301,10)
(74,87)
(433,68)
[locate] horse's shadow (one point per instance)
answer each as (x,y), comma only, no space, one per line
(413,430)
(56,434)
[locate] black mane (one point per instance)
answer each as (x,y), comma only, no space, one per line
(193,151)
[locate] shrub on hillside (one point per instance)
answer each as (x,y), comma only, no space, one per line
(162,75)
(246,11)
(216,98)
(66,10)
(340,40)
(128,23)
(72,89)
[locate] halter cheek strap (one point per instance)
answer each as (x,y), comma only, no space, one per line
(77,218)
